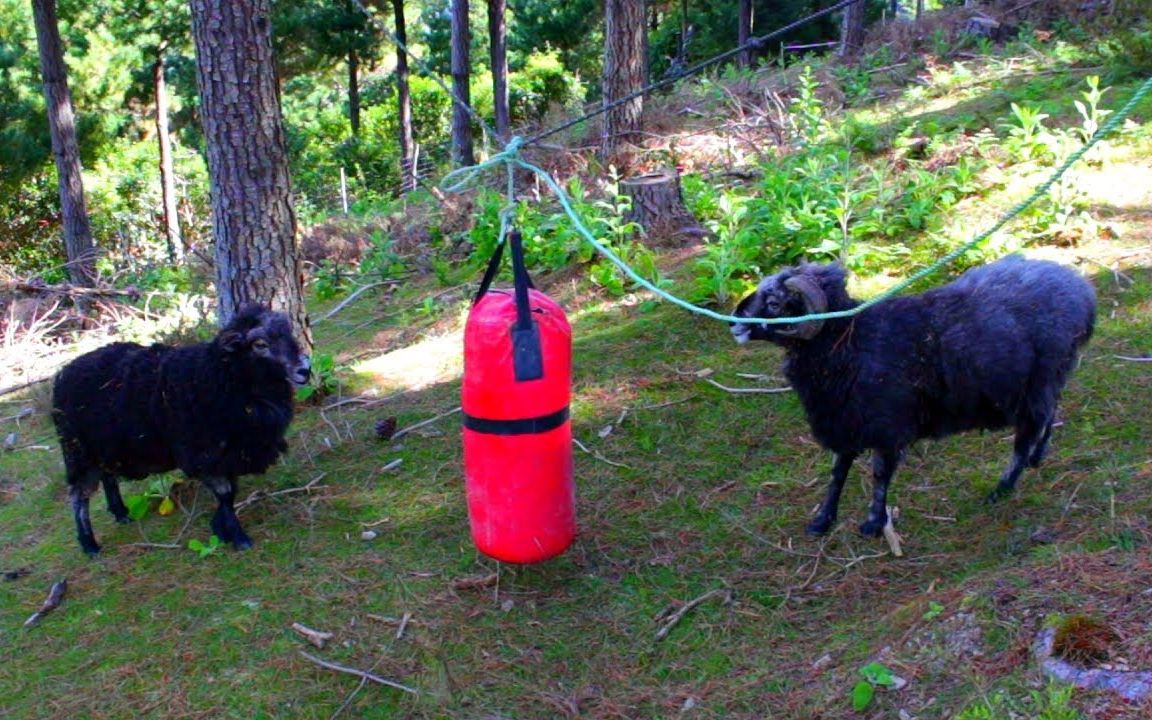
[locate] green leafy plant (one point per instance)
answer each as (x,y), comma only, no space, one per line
(934,610)
(807,109)
(875,675)
(204,549)
(330,280)
(1091,113)
(324,374)
(1028,139)
(159,488)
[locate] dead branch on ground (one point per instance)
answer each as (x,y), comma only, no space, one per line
(671,619)
(262,494)
(362,674)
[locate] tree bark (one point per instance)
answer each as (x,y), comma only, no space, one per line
(404,103)
(744,32)
(354,91)
(624,65)
(62,125)
(253,221)
(852,30)
(462,153)
(658,205)
(498,52)
(167,174)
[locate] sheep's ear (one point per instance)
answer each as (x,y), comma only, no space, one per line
(231,340)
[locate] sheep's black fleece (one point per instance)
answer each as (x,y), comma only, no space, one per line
(215,410)
(992,349)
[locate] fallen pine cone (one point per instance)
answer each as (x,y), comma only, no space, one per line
(386,428)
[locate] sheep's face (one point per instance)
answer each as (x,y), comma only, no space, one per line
(789,293)
(266,338)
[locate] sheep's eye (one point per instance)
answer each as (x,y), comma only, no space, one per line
(260,344)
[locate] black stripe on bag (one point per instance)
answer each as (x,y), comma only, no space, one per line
(526,426)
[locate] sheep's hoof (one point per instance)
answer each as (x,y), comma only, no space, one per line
(123,519)
(872,528)
(820,526)
(241,541)
(90,549)
(998,494)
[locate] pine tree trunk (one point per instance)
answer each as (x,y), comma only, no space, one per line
(62,126)
(167,174)
(462,153)
(624,65)
(354,92)
(852,29)
(744,32)
(253,221)
(498,51)
(404,102)
(658,206)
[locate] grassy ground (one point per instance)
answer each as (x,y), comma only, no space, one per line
(692,490)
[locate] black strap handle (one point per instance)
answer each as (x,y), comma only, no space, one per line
(494,267)
(527,358)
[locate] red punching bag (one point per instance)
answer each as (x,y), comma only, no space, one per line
(517,433)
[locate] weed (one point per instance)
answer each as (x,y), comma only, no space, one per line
(875,675)
(1052,704)
(324,378)
(204,549)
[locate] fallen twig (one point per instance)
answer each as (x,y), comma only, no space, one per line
(747,391)
(346,301)
(403,625)
(55,595)
(19,416)
(475,583)
(684,609)
(703,375)
(358,673)
(316,637)
(13,388)
(404,431)
(598,456)
(1133,359)
(1116,274)
(262,494)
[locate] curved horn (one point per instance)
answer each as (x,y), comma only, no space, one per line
(814,302)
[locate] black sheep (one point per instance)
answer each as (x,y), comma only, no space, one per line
(215,410)
(990,350)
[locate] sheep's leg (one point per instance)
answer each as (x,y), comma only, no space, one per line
(80,489)
(116,504)
(883,466)
(225,524)
(1041,449)
(1031,442)
(826,515)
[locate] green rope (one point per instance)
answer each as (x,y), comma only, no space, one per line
(511,157)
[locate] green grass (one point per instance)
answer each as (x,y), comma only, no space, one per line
(715,495)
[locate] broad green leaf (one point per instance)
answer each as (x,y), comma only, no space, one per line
(137,506)
(877,674)
(167,507)
(862,695)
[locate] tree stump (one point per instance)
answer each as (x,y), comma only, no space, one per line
(658,206)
